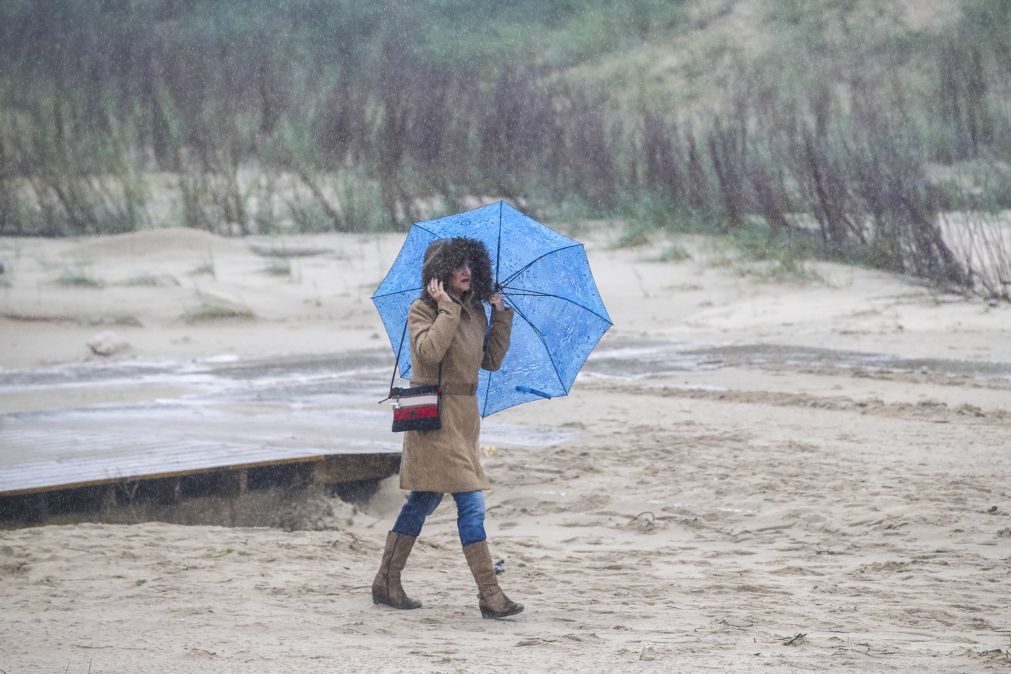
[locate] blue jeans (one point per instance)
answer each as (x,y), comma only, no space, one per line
(421,504)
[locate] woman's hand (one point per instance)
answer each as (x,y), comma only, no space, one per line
(498,301)
(437,291)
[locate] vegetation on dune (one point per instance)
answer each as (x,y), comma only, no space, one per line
(211,308)
(838,129)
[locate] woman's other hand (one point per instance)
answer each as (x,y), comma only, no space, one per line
(437,291)
(498,301)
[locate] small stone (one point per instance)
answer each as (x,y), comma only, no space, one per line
(107,343)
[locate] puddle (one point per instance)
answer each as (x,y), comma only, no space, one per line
(94,422)
(645,360)
(641,361)
(322,404)
(359,378)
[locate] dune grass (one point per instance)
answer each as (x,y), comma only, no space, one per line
(204,268)
(114,319)
(278,267)
(216,309)
(78,278)
(674,252)
(148,280)
(834,110)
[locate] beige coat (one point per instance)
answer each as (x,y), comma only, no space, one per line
(447,460)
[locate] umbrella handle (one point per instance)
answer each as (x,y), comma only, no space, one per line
(527,389)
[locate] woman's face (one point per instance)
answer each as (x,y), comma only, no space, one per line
(459,283)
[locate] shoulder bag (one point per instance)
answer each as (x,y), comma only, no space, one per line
(415,408)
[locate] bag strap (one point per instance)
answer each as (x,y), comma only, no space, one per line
(396,364)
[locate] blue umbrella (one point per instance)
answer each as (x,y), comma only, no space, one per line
(545,278)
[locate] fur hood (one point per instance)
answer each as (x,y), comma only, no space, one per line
(443,256)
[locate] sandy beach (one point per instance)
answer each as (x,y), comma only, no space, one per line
(755,472)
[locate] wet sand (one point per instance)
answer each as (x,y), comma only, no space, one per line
(751,475)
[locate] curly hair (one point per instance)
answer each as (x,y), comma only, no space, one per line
(444,256)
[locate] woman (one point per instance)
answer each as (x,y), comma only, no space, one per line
(450,343)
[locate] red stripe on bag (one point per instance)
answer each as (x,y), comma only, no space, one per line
(419,412)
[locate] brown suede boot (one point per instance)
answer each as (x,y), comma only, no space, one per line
(491,600)
(386,588)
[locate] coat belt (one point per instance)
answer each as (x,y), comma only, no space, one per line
(451,388)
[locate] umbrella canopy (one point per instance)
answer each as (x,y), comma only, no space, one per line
(546,279)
